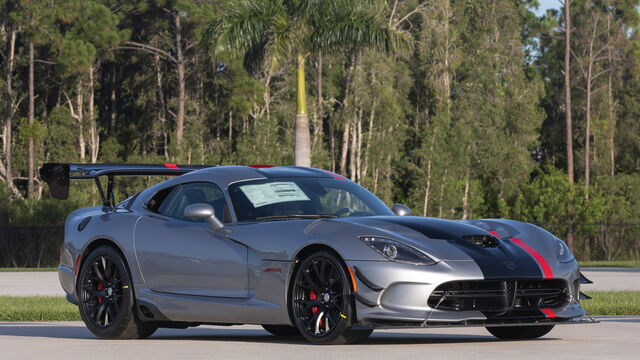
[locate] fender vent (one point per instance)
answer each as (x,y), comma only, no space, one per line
(83,223)
(482,240)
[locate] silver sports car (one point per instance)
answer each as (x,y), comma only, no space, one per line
(302,252)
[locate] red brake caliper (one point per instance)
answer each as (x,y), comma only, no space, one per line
(100,287)
(314,310)
(313,296)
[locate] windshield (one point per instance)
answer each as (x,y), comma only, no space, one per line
(303,198)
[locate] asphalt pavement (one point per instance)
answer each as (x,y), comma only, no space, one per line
(46,283)
(613,338)
(30,283)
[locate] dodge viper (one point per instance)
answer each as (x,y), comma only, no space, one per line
(302,252)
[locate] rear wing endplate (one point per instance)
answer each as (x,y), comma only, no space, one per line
(58,175)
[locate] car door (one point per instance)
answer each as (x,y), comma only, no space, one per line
(185,256)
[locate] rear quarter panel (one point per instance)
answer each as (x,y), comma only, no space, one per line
(116,227)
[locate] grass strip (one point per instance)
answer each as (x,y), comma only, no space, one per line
(612,303)
(617,263)
(37,308)
(27,269)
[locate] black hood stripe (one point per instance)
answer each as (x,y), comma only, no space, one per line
(505,261)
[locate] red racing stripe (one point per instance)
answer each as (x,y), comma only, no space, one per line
(494,233)
(548,313)
(334,175)
(546,269)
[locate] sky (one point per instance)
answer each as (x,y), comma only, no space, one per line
(547,4)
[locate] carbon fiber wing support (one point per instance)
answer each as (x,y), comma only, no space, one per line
(58,176)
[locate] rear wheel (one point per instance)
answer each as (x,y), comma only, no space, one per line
(282,330)
(520,332)
(322,301)
(106,300)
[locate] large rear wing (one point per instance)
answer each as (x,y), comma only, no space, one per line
(58,175)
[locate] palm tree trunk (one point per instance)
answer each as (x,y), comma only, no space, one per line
(427,190)
(112,99)
(181,81)
(302,150)
(162,108)
(365,169)
(80,118)
(319,88)
(465,198)
(587,130)
(440,205)
(612,124)
(567,88)
(567,106)
(31,119)
(10,104)
(94,136)
(345,147)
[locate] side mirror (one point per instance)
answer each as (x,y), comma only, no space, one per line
(401,210)
(203,211)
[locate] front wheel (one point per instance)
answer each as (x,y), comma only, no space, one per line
(105,295)
(322,301)
(520,332)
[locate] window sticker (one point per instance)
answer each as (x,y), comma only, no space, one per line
(273,193)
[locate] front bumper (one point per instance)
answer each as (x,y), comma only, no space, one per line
(391,294)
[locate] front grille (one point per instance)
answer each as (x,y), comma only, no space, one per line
(500,295)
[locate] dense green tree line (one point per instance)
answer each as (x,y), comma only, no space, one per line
(457,108)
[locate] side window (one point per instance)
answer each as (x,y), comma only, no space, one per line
(158,199)
(194,193)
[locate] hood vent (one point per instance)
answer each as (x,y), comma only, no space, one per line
(482,240)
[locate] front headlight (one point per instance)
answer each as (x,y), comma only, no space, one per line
(397,251)
(564,254)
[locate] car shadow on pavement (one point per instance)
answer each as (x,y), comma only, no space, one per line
(237,335)
(416,338)
(44,330)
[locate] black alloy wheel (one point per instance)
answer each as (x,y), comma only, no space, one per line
(101,291)
(322,301)
(105,296)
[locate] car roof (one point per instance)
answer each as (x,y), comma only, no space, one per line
(292,172)
(229,174)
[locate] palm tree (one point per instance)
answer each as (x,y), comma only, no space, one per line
(269,33)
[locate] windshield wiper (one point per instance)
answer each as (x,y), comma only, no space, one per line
(301,216)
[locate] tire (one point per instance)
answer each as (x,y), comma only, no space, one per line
(282,330)
(520,332)
(321,301)
(106,298)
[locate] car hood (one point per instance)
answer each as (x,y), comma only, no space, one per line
(448,239)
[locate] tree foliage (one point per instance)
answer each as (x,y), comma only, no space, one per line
(454,107)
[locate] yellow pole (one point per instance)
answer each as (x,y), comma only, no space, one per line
(302,94)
